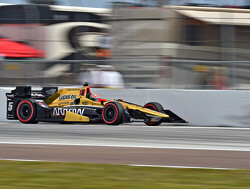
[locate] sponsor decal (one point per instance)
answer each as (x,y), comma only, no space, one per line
(74,89)
(36,95)
(41,103)
(155,119)
(73,96)
(62,111)
(66,97)
(63,103)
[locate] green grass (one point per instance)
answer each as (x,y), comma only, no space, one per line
(37,175)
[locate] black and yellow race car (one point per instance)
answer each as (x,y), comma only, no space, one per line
(73,105)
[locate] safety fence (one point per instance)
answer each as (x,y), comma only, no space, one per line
(129,73)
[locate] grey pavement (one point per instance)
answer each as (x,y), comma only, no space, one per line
(127,135)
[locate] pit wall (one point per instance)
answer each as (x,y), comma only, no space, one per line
(198,107)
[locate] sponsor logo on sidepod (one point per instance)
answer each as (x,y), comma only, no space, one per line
(66,97)
(62,111)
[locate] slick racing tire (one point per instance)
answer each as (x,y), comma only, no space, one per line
(26,112)
(156,107)
(113,113)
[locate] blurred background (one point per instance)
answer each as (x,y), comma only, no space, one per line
(163,44)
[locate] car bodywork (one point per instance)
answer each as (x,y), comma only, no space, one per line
(75,105)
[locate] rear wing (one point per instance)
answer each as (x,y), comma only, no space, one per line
(26,92)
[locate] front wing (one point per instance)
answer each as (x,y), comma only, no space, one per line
(137,115)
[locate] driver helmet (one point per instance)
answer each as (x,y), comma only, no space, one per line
(93,96)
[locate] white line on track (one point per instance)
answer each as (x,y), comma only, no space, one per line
(128,146)
(135,124)
(134,165)
(23,160)
(186,167)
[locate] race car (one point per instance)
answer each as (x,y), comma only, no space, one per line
(72,105)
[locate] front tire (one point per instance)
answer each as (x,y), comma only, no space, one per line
(113,113)
(156,107)
(26,112)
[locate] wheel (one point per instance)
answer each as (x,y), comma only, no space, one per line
(154,106)
(113,113)
(26,112)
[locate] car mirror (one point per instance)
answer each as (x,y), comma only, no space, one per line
(77,101)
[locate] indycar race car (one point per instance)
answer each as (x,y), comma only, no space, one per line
(73,105)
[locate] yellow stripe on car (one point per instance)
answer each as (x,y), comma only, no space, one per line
(144,110)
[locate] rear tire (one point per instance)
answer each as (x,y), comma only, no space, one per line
(26,112)
(113,113)
(156,107)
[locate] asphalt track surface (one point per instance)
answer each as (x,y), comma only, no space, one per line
(137,144)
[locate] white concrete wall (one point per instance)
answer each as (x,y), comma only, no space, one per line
(198,107)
